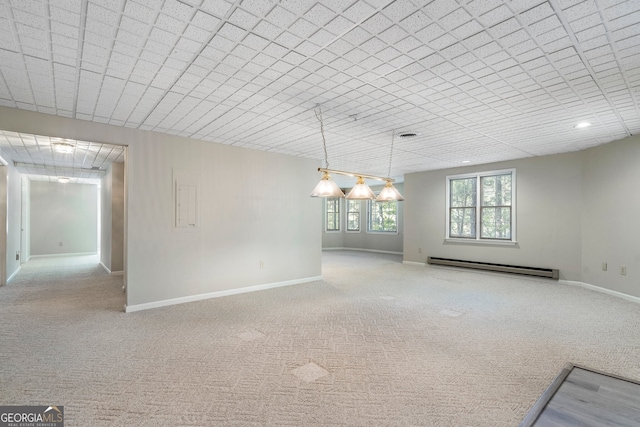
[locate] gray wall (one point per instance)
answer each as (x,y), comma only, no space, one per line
(254,206)
(385,242)
(611,215)
(569,216)
(112,218)
(548,216)
(66,213)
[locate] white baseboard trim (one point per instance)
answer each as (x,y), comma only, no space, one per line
(61,255)
(14,273)
(364,250)
(109,272)
(421,264)
(600,289)
(199,297)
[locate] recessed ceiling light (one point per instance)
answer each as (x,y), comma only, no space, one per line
(63,179)
(63,147)
(582,125)
(466,161)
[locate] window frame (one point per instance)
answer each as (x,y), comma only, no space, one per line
(348,211)
(369,212)
(337,215)
(478,208)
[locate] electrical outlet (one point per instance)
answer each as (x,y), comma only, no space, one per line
(17,256)
(59,243)
(623,270)
(419,250)
(261,264)
(604,266)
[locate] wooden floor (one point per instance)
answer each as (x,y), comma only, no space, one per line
(582,397)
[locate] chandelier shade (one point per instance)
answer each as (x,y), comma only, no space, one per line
(327,188)
(389,194)
(361,191)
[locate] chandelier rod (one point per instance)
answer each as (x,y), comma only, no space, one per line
(356,174)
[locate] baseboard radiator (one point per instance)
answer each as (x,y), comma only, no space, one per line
(550,273)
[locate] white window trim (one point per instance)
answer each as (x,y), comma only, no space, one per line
(346,218)
(477,239)
(339,230)
(386,233)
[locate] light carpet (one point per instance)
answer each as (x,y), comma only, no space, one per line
(376,343)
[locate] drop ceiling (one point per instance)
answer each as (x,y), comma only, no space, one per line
(478,81)
(37,157)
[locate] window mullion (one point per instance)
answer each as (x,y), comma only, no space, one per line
(478,207)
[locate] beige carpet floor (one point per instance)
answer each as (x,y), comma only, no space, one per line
(376,343)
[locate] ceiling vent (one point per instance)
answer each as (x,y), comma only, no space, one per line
(407,134)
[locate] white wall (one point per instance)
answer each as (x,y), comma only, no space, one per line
(13,226)
(105,219)
(10,218)
(255,206)
(25,221)
(385,242)
(63,213)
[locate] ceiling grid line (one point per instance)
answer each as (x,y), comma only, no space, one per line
(196,55)
(483,81)
(585,62)
(82,28)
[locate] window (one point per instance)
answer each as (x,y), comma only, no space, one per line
(353,215)
(486,198)
(332,215)
(383,217)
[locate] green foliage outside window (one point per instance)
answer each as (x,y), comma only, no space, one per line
(383,216)
(488,197)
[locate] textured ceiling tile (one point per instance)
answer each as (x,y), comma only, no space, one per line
(536,14)
(255,86)
(495,16)
(430,33)
(416,21)
(455,19)
(102,14)
(219,8)
(480,7)
(439,8)
(359,11)
(321,38)
(319,14)
(467,29)
(243,19)
(377,23)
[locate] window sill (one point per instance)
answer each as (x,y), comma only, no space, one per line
(483,242)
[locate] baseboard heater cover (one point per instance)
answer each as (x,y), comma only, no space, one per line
(550,273)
